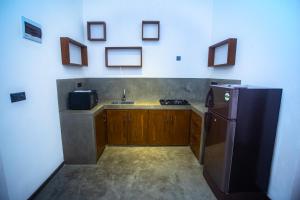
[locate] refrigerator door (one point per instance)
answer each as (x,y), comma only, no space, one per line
(223,101)
(218,149)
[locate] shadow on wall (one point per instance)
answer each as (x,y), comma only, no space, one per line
(296,191)
(3,187)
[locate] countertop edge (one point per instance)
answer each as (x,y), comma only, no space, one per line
(198,108)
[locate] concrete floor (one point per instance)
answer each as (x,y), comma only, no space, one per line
(142,173)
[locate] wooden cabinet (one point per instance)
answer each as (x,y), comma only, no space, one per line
(127,127)
(158,133)
(195,134)
(137,127)
(148,127)
(100,132)
(179,129)
(169,127)
(117,127)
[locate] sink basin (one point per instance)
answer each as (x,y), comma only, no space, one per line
(123,102)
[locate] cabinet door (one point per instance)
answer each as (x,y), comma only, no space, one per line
(137,127)
(100,131)
(179,127)
(117,127)
(195,134)
(158,133)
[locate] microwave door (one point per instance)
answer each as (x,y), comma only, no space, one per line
(218,150)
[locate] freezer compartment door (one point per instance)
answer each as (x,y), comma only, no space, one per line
(223,101)
(218,149)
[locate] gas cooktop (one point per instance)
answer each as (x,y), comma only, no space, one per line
(173,102)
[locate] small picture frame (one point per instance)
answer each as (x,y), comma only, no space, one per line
(150,30)
(96,31)
(31,30)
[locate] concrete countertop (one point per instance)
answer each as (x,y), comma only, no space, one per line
(197,107)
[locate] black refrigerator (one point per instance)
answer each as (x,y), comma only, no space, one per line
(240,126)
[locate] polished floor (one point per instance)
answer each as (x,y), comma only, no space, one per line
(133,173)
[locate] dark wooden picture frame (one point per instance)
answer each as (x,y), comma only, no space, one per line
(231,53)
(145,23)
(107,49)
(89,33)
(65,52)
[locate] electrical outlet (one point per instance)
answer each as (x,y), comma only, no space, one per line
(79,84)
(15,97)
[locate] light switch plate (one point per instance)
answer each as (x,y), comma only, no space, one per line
(15,97)
(79,84)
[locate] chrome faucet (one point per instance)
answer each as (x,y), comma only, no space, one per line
(124,95)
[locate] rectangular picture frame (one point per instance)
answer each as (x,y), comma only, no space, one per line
(108,49)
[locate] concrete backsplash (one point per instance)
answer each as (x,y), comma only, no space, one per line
(149,88)
(192,89)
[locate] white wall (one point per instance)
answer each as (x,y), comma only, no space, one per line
(3,186)
(268,54)
(30,138)
(30,132)
(185,31)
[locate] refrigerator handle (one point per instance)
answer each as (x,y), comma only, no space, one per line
(207,118)
(209,102)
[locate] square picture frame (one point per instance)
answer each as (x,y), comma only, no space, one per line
(90,24)
(151,23)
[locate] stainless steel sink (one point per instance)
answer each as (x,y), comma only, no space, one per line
(123,102)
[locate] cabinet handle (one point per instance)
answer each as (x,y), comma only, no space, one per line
(129,118)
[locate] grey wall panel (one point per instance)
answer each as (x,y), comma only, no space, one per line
(140,89)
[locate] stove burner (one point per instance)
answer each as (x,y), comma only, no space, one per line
(173,102)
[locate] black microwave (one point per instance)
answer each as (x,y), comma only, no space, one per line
(82,99)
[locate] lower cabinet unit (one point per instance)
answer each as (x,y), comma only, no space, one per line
(117,127)
(148,127)
(169,127)
(83,136)
(100,132)
(195,134)
(137,127)
(158,133)
(179,128)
